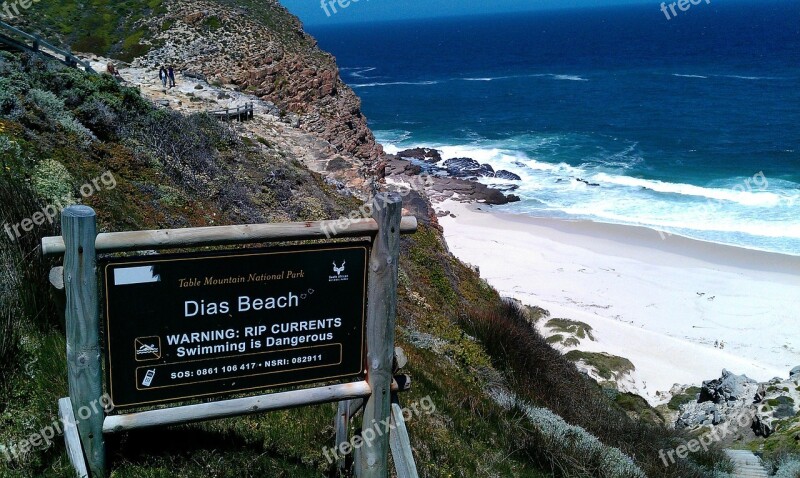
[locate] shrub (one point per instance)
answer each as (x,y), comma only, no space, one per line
(10,104)
(541,376)
(52,107)
(789,467)
(53,183)
(572,327)
(11,156)
(608,366)
(576,452)
(99,117)
(689,396)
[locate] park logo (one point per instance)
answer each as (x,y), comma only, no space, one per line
(339,271)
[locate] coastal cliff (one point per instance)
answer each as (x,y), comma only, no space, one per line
(251,46)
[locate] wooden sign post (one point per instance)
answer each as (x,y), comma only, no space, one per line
(84,372)
(148,367)
(383,264)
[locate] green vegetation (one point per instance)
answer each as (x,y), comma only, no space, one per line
(555,339)
(782,400)
(567,333)
(104,27)
(212,22)
(539,376)
(689,396)
(637,407)
(119,29)
(608,366)
(537,313)
(572,327)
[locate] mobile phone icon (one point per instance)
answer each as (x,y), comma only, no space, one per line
(148,378)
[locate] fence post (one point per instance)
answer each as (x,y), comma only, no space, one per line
(79,229)
(373,459)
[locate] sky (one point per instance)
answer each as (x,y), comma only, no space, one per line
(311,12)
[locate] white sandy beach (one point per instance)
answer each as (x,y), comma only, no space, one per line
(662,303)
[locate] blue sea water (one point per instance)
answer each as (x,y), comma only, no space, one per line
(689,125)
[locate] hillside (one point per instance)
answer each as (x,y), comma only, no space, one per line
(256,47)
(507,404)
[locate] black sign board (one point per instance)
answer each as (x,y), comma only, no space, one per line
(186,326)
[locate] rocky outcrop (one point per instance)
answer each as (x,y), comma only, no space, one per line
(470,191)
(278,63)
(422,154)
(467,168)
(728,388)
(507,175)
(700,414)
(453,177)
(738,400)
(438,187)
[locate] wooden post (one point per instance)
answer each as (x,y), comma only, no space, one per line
(404,464)
(71,438)
(342,426)
(226,235)
(381,311)
(79,229)
(235,407)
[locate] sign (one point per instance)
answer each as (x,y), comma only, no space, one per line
(187,326)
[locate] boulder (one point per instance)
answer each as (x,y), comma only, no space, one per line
(761,393)
(729,388)
(698,414)
(794,374)
(467,168)
(194,17)
(762,426)
(503,174)
(194,74)
(422,154)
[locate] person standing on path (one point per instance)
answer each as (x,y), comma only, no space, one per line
(162,75)
(171,72)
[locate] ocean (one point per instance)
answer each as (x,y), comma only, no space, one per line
(688,125)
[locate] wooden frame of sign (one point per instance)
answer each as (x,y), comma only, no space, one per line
(172,371)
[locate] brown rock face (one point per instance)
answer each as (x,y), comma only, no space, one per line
(280,63)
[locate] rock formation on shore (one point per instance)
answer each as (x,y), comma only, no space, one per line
(450,178)
(747,407)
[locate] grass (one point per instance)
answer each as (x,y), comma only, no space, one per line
(608,366)
(114,28)
(570,327)
(689,396)
(542,377)
(782,400)
(102,27)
